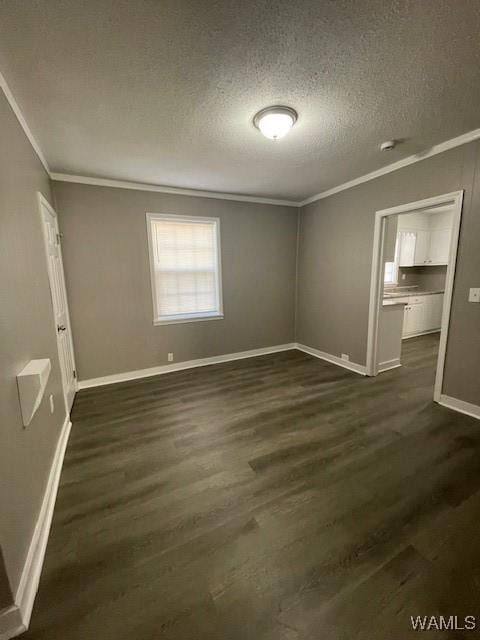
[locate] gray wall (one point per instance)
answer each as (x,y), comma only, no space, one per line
(335,248)
(428,278)
(26,332)
(107,271)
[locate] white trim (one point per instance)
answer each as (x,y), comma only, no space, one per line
(328,357)
(375,298)
(229,357)
(394,363)
(216,314)
(465,138)
(448,295)
(197,193)
(11,624)
(27,589)
(23,123)
(297,257)
(454,200)
(15,619)
(184,319)
(180,366)
(461,406)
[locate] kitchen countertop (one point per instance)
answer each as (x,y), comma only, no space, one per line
(391,302)
(391,297)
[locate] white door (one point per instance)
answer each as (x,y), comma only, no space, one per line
(59,300)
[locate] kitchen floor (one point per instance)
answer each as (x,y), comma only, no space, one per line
(278,497)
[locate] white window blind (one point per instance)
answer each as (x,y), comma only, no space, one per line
(185,267)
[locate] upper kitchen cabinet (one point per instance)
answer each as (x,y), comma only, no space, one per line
(407,243)
(440,245)
(423,241)
(424,238)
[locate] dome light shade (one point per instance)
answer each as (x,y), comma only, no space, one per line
(275,122)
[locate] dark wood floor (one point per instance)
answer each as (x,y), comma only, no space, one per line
(275,498)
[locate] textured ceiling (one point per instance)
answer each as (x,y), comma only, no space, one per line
(164,92)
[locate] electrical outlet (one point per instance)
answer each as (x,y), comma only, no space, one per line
(404,275)
(170,357)
(52,404)
(474,295)
(345,356)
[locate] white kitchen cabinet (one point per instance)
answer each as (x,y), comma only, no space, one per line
(422,314)
(439,245)
(424,239)
(422,247)
(414,319)
(407,241)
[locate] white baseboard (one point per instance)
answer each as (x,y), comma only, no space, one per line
(202,362)
(346,364)
(461,406)
(389,364)
(17,617)
(180,366)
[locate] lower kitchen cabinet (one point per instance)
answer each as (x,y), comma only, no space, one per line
(414,319)
(422,314)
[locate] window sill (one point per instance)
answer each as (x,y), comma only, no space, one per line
(185,319)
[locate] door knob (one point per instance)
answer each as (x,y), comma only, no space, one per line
(61,327)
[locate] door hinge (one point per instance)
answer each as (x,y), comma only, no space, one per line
(59,235)
(75,374)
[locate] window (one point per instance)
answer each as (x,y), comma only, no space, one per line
(185,268)
(391,268)
(390,273)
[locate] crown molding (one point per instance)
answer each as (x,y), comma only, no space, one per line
(470,136)
(465,138)
(121,183)
(23,123)
(141,186)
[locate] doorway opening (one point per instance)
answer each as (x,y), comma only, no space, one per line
(413,269)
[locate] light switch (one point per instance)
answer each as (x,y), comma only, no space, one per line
(474,295)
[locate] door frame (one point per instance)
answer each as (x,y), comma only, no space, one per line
(43,202)
(455,200)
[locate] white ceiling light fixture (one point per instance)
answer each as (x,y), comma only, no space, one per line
(275,122)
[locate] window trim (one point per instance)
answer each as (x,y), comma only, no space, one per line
(184,317)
